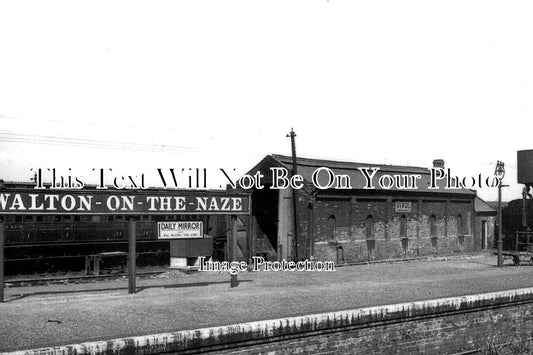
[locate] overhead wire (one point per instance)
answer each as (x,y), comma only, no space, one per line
(7,136)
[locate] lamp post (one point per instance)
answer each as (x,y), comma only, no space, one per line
(500,173)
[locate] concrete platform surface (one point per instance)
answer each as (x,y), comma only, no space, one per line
(42,316)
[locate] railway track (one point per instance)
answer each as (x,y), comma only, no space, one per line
(66,279)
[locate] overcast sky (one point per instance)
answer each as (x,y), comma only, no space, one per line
(135,85)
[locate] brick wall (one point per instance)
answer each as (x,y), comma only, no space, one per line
(351,242)
(448,325)
(456,228)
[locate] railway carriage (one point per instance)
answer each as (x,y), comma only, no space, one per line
(43,243)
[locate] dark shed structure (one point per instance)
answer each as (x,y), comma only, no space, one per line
(359,224)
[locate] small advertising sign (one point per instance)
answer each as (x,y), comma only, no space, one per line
(180,230)
(403,207)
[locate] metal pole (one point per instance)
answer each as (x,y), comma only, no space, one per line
(131,256)
(500,241)
(234,282)
(524,208)
(2,237)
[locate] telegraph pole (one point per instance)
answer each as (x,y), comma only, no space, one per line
(292,135)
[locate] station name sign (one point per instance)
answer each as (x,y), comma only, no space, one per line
(85,202)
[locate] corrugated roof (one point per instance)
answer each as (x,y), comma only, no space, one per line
(306,167)
(494,204)
(483,206)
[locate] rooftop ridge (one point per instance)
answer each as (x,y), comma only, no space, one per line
(348,165)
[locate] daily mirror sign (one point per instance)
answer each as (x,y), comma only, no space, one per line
(180,230)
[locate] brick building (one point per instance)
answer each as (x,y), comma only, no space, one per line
(358,224)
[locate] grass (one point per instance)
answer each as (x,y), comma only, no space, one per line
(519,345)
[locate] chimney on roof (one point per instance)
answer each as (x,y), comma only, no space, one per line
(438,163)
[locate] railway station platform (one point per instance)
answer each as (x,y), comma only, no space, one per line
(48,317)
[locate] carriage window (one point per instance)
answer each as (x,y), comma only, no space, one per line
(369,227)
(28,218)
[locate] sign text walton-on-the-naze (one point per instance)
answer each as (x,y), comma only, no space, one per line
(85,202)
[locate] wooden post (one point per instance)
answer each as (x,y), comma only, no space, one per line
(249,242)
(2,237)
(234,281)
(131,256)
(292,135)
(227,249)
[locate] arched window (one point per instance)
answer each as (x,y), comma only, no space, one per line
(369,227)
(432,226)
(459,225)
(332,224)
(403,226)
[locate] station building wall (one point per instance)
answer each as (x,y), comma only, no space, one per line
(358,224)
(362,229)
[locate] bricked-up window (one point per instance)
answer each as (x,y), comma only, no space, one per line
(332,224)
(432,226)
(459,225)
(369,227)
(403,227)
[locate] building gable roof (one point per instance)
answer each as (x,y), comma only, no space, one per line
(306,167)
